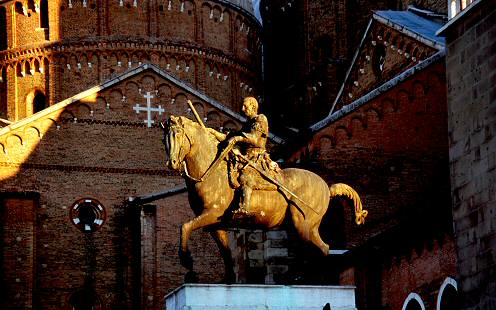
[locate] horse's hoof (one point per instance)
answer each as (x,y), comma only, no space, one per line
(191,277)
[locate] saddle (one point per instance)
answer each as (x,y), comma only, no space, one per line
(238,165)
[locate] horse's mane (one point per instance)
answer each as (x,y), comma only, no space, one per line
(185,120)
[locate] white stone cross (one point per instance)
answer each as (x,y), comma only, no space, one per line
(148,109)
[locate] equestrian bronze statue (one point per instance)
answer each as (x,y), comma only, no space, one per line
(216,166)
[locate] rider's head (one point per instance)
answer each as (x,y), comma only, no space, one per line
(250,106)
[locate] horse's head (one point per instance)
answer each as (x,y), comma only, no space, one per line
(176,141)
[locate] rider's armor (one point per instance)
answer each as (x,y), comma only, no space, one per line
(241,173)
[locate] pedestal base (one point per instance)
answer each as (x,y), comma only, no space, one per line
(263,297)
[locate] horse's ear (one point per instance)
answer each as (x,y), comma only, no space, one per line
(180,121)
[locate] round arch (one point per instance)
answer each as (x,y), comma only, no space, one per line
(35,102)
(412,300)
(448,287)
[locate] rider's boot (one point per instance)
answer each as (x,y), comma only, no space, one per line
(245,203)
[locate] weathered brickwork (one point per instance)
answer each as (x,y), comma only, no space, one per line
(422,271)
(400,133)
(393,150)
(401,52)
(17,213)
(471,64)
(319,39)
(213,46)
(98,147)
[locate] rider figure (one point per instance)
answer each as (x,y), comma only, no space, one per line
(250,142)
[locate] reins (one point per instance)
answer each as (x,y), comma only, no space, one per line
(185,171)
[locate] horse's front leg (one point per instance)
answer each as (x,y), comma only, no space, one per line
(207,218)
(222,240)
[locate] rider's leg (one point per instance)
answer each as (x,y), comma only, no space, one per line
(246,199)
(246,182)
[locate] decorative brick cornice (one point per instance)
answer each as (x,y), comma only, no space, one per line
(114,123)
(97,45)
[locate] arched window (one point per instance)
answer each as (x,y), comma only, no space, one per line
(18,8)
(379,59)
(36,65)
(453,8)
(447,298)
(31,5)
(27,67)
(44,14)
(39,102)
(413,302)
(19,71)
(3,28)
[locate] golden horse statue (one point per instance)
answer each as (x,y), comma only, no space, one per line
(191,149)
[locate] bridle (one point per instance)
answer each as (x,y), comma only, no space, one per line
(174,143)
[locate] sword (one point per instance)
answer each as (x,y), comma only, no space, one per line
(280,185)
(220,157)
(266,175)
(198,119)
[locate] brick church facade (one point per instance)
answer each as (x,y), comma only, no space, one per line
(84,85)
(360,92)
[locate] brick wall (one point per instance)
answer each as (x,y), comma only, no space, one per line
(439,6)
(471,67)
(213,46)
(365,76)
(107,153)
(79,22)
(18,240)
(318,39)
(422,270)
(397,142)
(394,151)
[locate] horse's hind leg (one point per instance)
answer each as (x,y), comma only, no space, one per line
(222,240)
(317,240)
(309,231)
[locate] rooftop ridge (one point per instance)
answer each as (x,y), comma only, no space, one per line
(347,109)
(147,66)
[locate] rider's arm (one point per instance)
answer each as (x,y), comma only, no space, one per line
(218,135)
(256,136)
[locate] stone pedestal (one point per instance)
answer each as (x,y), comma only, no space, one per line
(254,297)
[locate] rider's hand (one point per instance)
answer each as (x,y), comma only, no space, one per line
(236,139)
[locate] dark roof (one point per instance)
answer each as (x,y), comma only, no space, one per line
(412,24)
(347,109)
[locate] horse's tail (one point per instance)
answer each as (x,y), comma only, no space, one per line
(341,189)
